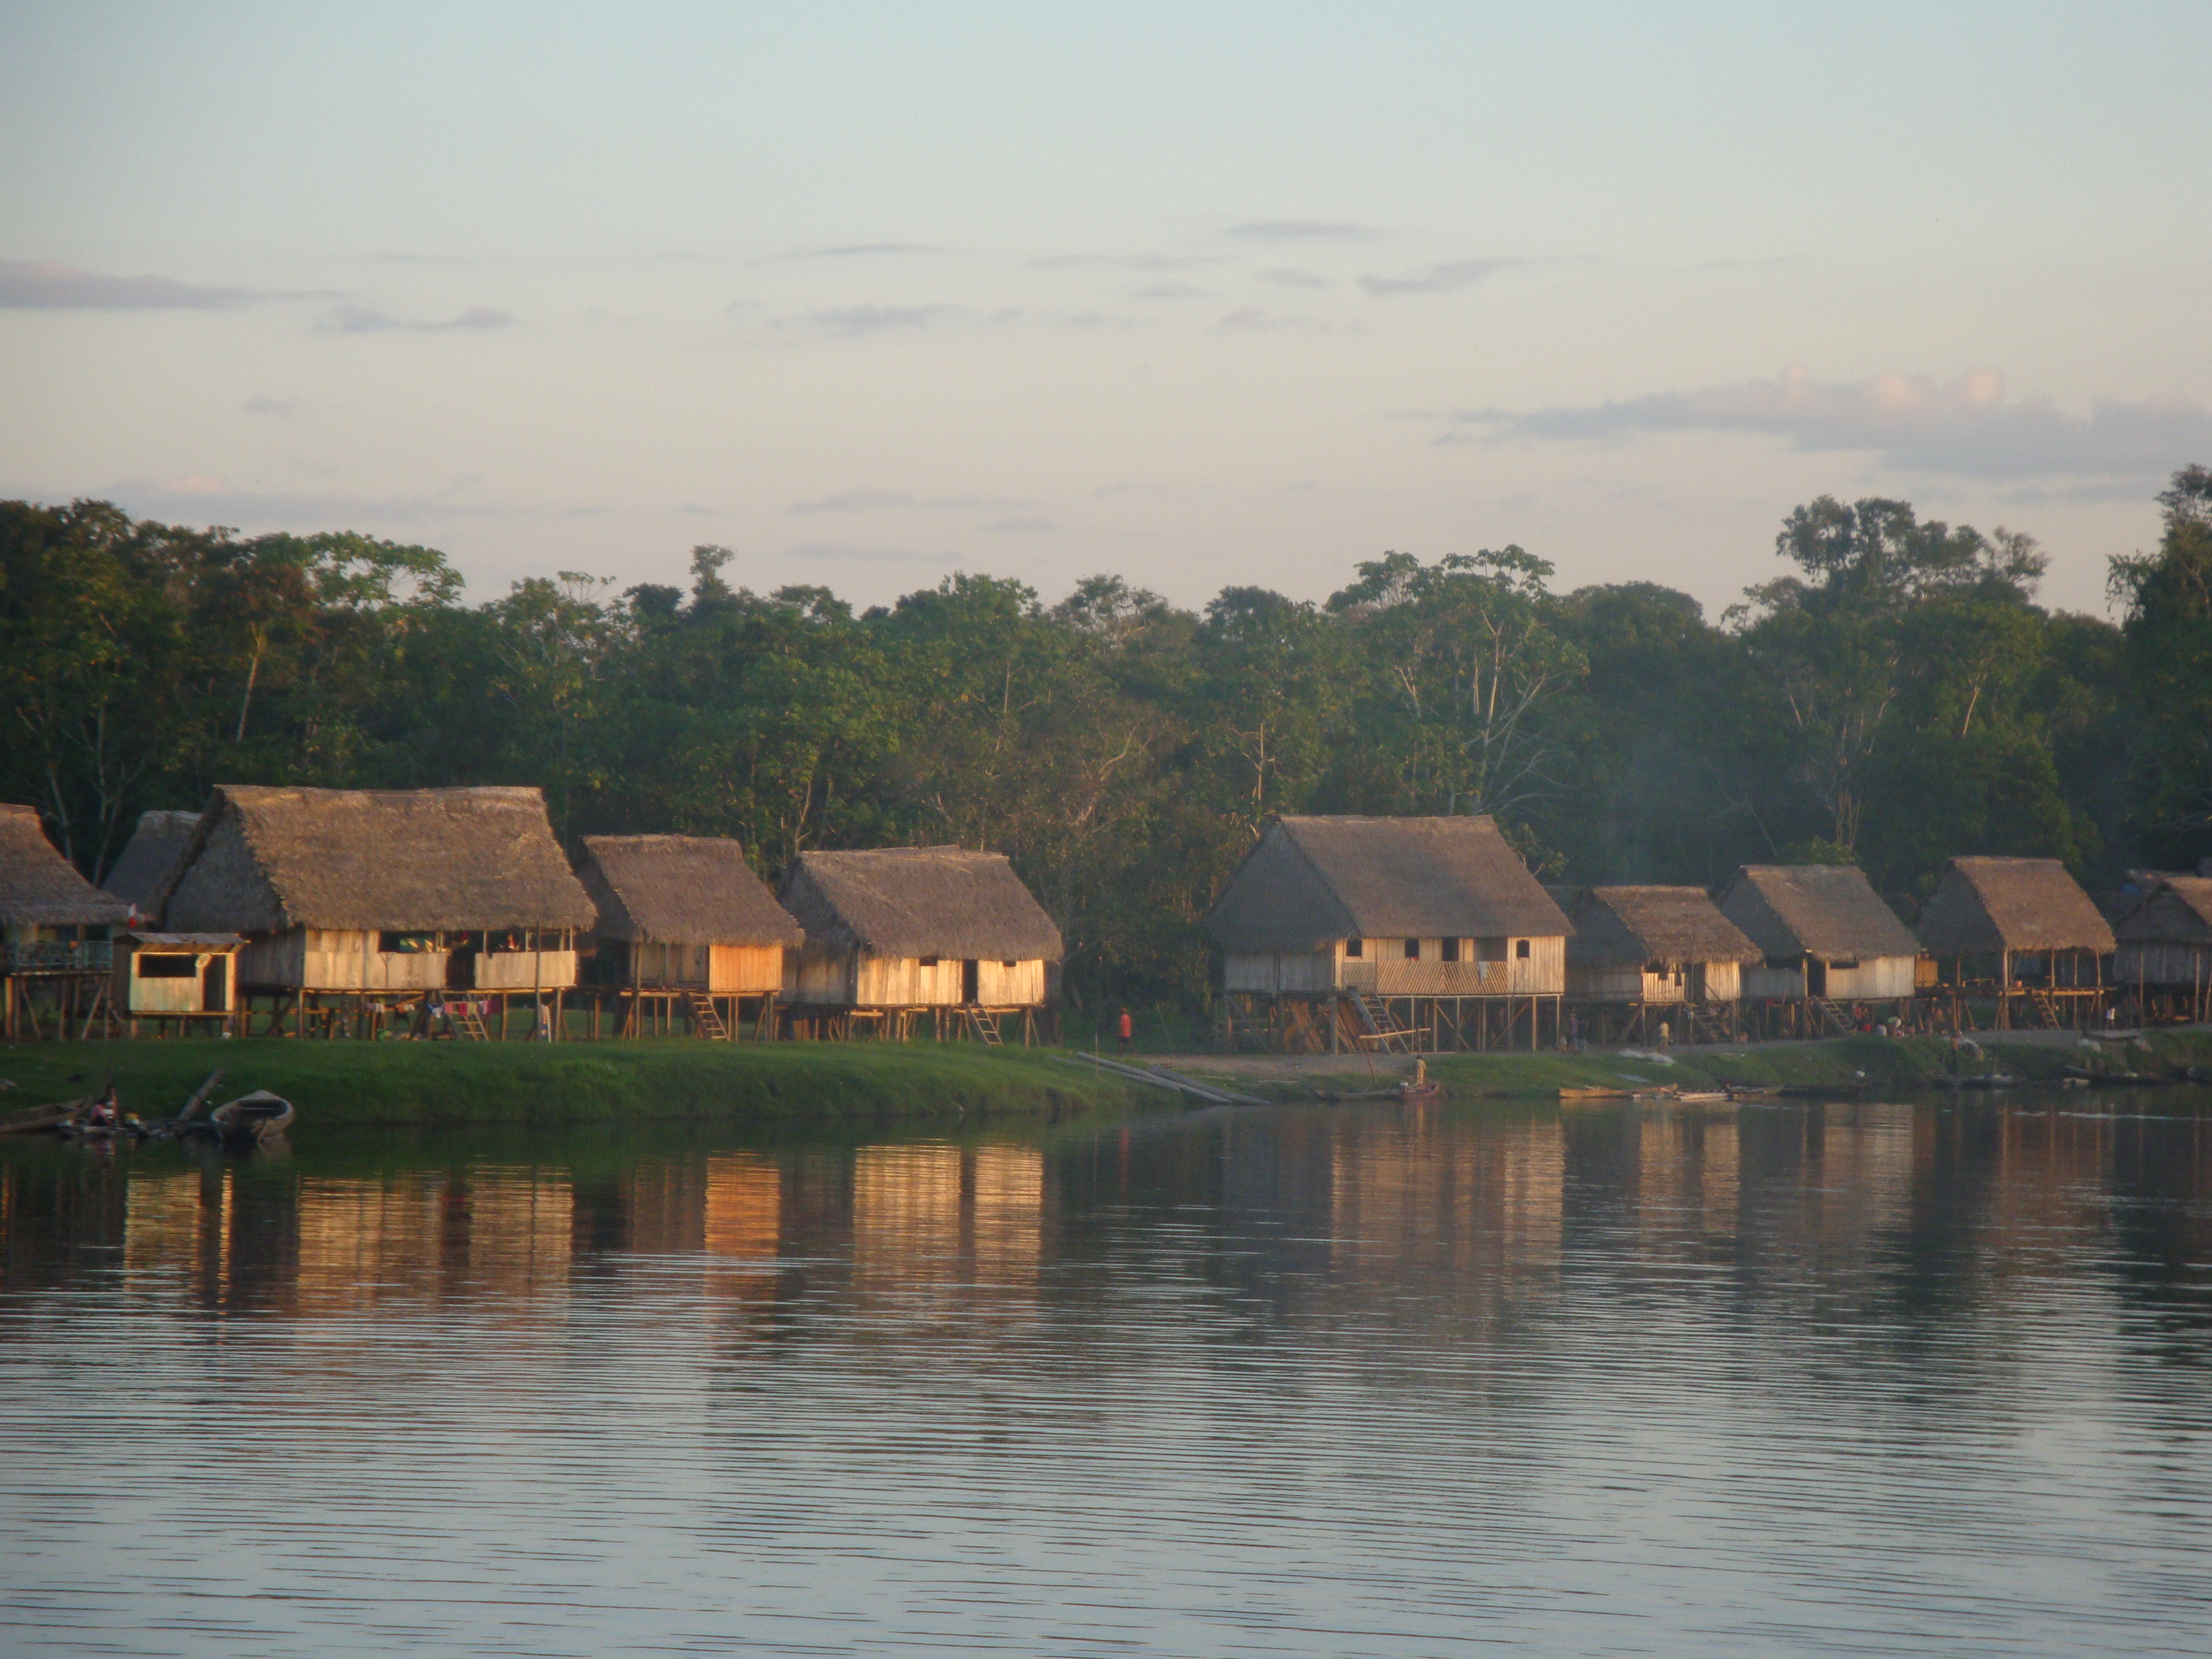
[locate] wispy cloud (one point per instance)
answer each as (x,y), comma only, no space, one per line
(1292,279)
(1258,319)
(364,319)
(1966,427)
(1132,262)
(867,250)
(1302,230)
(285,406)
(1444,278)
(213,499)
(49,285)
(852,322)
(1019,526)
(879,501)
(842,552)
(1173,291)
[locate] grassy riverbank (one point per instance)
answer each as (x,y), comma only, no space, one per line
(435,1083)
(1901,1065)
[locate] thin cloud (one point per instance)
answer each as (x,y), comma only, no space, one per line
(1446,278)
(1966,427)
(841,552)
(203,499)
(1132,262)
(852,322)
(285,406)
(869,250)
(1258,319)
(1292,279)
(1302,230)
(1020,526)
(49,285)
(1173,291)
(879,500)
(364,319)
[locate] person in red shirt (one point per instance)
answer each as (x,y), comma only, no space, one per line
(1128,1029)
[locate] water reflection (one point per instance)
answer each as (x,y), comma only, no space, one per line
(1816,1379)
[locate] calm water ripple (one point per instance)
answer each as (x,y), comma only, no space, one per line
(1852,1380)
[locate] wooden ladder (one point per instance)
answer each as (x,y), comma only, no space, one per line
(985,1026)
(466,1022)
(707,1019)
(1704,1026)
(1386,1031)
(1832,1016)
(2046,1010)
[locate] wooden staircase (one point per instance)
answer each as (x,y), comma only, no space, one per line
(984,1026)
(707,1019)
(1705,1025)
(1833,1018)
(1378,1027)
(467,1024)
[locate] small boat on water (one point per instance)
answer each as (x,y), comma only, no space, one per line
(1418,1088)
(1701,1097)
(35,1119)
(251,1119)
(1573,1095)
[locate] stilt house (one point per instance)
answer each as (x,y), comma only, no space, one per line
(2164,949)
(1440,911)
(1825,935)
(382,892)
(915,927)
(55,926)
(685,914)
(183,978)
(2015,925)
(155,848)
(1655,945)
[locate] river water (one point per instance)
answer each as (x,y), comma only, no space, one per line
(1807,1380)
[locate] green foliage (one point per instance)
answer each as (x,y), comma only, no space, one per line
(1896,698)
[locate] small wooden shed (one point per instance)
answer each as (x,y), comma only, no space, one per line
(1824,933)
(2163,952)
(2017,927)
(914,929)
(153,851)
(685,917)
(176,978)
(378,897)
(1655,947)
(54,930)
(1440,912)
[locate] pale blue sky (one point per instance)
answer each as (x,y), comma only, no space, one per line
(1200,294)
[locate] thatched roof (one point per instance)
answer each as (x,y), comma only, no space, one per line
(184,941)
(2177,911)
(1313,880)
(1617,926)
(266,859)
(1828,911)
(1987,905)
(40,888)
(919,902)
(156,846)
(681,889)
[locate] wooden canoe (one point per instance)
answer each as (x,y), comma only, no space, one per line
(1597,1094)
(30,1120)
(252,1118)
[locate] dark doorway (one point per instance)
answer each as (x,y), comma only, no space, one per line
(214,986)
(461,964)
(1816,977)
(971,981)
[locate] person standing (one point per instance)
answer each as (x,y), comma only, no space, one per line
(1125,1028)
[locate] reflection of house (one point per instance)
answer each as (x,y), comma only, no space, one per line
(745,1206)
(2008,924)
(1825,932)
(382,893)
(2164,948)
(1436,910)
(915,927)
(936,1211)
(684,915)
(154,846)
(1646,948)
(54,929)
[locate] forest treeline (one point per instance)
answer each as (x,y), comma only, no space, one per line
(1894,695)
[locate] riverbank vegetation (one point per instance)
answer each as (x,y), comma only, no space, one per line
(386,1083)
(1896,697)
